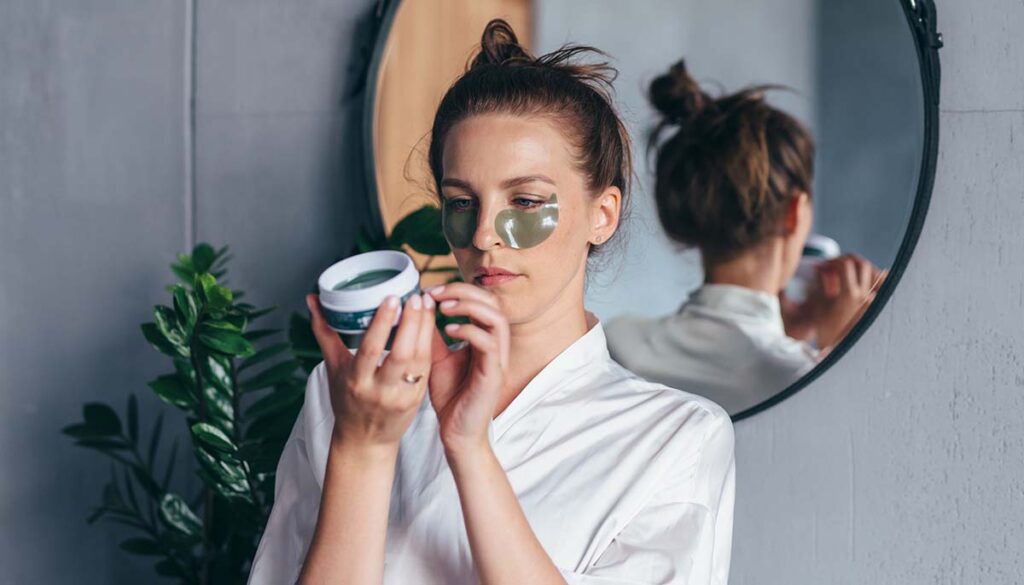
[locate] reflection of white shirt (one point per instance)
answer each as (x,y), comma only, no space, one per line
(726,342)
(623,481)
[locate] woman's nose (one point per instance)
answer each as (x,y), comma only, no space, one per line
(486,237)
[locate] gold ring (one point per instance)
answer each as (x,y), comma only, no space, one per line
(411,379)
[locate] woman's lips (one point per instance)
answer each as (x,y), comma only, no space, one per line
(493,276)
(495,279)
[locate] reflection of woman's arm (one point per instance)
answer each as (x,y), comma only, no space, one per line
(844,288)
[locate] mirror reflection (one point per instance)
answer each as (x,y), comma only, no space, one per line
(786,138)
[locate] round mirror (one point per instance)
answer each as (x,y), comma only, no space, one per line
(860,78)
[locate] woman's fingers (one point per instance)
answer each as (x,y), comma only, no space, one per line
(403,346)
(483,342)
(484,316)
(462,291)
(333,349)
(376,337)
(427,330)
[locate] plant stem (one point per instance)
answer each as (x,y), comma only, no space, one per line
(208,500)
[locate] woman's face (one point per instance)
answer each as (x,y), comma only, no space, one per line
(532,219)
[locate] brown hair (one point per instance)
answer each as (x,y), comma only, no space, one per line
(724,179)
(505,78)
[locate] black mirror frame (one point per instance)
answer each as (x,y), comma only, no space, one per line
(921,19)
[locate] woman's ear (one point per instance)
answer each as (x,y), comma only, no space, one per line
(605,213)
(798,211)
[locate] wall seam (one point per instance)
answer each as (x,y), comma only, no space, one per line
(189,126)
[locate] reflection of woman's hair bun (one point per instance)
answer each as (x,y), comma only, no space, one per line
(725,176)
(677,96)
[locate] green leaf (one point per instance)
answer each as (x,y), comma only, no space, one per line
(102,418)
(219,297)
(264,354)
(176,514)
(183,268)
(83,431)
(169,471)
(159,342)
(171,390)
(102,444)
(202,257)
(365,242)
(147,482)
(271,376)
(213,437)
(421,230)
(274,401)
(259,333)
(133,419)
(225,340)
(154,439)
(167,323)
(300,334)
(185,308)
(217,370)
(254,314)
(204,282)
(229,477)
(168,568)
(141,546)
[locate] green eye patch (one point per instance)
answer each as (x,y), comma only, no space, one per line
(518,228)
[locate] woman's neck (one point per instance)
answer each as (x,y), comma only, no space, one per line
(759,269)
(535,343)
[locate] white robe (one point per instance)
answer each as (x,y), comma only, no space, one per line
(726,342)
(623,481)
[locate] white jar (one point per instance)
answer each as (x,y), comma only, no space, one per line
(817,249)
(352,289)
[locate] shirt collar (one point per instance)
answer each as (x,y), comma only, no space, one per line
(575,360)
(738,300)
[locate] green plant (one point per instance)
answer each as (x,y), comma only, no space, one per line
(240,392)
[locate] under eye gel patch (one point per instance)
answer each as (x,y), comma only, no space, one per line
(518,228)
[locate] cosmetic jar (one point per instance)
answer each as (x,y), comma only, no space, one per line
(352,289)
(817,249)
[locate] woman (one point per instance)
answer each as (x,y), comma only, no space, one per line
(734,181)
(536,459)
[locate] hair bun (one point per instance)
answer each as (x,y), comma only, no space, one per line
(678,96)
(499,45)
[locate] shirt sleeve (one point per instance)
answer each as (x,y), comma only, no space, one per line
(286,538)
(683,535)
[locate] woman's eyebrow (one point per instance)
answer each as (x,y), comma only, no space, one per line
(506,184)
(516,181)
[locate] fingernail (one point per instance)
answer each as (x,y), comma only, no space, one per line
(451,327)
(428,302)
(309,304)
(416,302)
(448,304)
(435,289)
(391,302)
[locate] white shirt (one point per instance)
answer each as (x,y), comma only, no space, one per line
(623,481)
(726,342)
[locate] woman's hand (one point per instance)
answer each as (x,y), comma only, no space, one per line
(844,288)
(465,385)
(373,406)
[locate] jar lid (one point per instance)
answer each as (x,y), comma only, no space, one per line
(368,297)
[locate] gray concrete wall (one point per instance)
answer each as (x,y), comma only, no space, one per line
(900,465)
(96,199)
